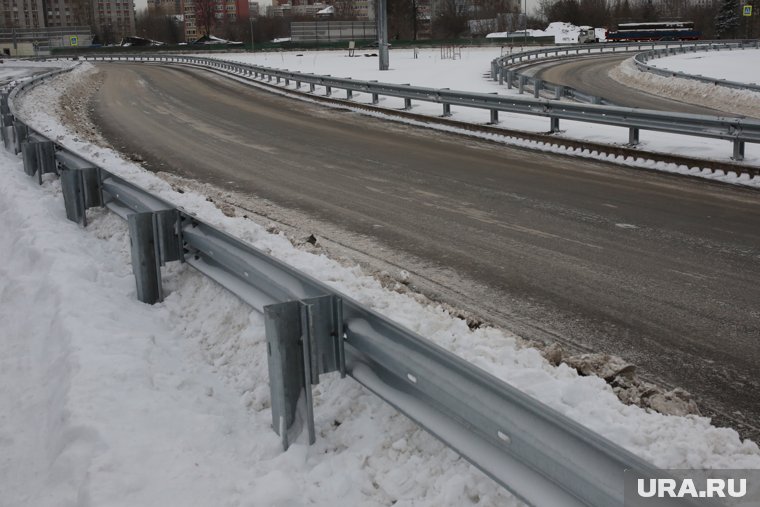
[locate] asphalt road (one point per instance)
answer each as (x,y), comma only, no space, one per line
(662,270)
(590,75)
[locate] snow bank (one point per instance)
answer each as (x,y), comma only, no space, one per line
(106,401)
(730,65)
(740,102)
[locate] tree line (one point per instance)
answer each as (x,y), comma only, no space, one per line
(453,19)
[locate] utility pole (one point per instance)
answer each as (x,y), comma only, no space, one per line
(250,18)
(382,34)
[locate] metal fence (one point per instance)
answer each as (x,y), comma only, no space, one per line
(534,451)
(738,131)
(331,31)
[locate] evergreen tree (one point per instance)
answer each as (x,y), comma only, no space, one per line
(727,19)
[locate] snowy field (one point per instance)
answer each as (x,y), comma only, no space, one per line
(425,67)
(738,65)
(105,401)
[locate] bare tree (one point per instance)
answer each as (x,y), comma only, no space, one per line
(450,20)
(205,15)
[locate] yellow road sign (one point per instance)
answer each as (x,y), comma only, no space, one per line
(73,40)
(747,10)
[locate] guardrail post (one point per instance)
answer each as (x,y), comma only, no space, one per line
(349,94)
(4,107)
(500,73)
(298,85)
(633,136)
(537,85)
(375,99)
(304,340)
(494,117)
(494,70)
(145,263)
(554,124)
(738,150)
(311,87)
(446,110)
(521,84)
(559,92)
(287,82)
(39,156)
(407,104)
(20,134)
(81,185)
(510,78)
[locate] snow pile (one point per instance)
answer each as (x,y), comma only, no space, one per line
(106,401)
(729,65)
(563,33)
(740,102)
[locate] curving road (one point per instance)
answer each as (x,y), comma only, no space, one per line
(662,270)
(590,74)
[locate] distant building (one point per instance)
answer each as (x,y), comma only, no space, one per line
(168,7)
(111,19)
(22,14)
(230,10)
(114,19)
(39,41)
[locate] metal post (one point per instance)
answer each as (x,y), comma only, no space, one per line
(349,94)
(559,92)
(251,20)
(521,84)
(304,340)
(738,150)
(446,110)
(407,104)
(328,90)
(537,84)
(382,34)
(145,259)
(375,98)
(510,78)
(494,117)
(633,136)
(554,125)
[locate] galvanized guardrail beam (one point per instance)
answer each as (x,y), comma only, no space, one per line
(540,455)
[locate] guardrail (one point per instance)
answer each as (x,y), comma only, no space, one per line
(502,71)
(736,130)
(534,451)
(641,59)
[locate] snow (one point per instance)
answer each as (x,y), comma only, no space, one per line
(426,67)
(735,65)
(107,401)
(563,33)
(740,102)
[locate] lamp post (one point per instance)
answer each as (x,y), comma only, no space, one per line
(250,18)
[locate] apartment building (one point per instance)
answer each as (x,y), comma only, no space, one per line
(224,10)
(22,14)
(111,19)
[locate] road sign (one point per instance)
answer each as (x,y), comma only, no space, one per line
(747,10)
(73,40)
